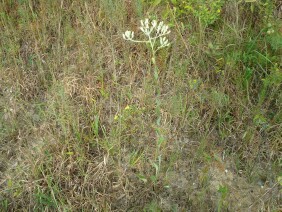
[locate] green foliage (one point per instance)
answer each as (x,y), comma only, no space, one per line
(4,204)
(152,207)
(206,11)
(275,40)
(44,200)
(271,82)
(261,8)
(279,180)
(223,191)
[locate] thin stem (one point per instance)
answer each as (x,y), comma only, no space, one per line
(138,41)
(161,35)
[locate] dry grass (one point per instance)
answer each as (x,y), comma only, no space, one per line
(66,73)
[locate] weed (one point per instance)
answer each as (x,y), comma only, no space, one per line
(155,33)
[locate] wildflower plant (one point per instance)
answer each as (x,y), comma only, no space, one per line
(155,33)
(155,36)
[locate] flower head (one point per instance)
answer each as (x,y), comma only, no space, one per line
(128,35)
(153,31)
(154,23)
(127,107)
(164,42)
(116,117)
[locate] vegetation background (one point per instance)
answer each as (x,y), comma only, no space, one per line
(79,125)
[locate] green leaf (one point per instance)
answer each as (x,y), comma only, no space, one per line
(161,139)
(223,190)
(157,168)
(279,179)
(156,75)
(252,8)
(10,183)
(156,3)
(153,178)
(95,126)
(142,178)
(159,121)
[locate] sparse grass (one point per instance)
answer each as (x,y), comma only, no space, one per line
(78,109)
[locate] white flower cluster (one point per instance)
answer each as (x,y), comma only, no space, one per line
(160,29)
(128,35)
(164,41)
(153,30)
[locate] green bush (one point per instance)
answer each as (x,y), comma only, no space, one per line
(206,11)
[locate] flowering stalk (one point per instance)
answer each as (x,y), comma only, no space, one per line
(155,36)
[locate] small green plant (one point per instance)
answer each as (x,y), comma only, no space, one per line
(44,200)
(279,180)
(206,11)
(4,204)
(152,207)
(154,177)
(223,191)
(157,167)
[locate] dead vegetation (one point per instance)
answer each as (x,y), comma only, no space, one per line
(78,114)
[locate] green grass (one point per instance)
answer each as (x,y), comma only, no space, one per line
(85,126)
